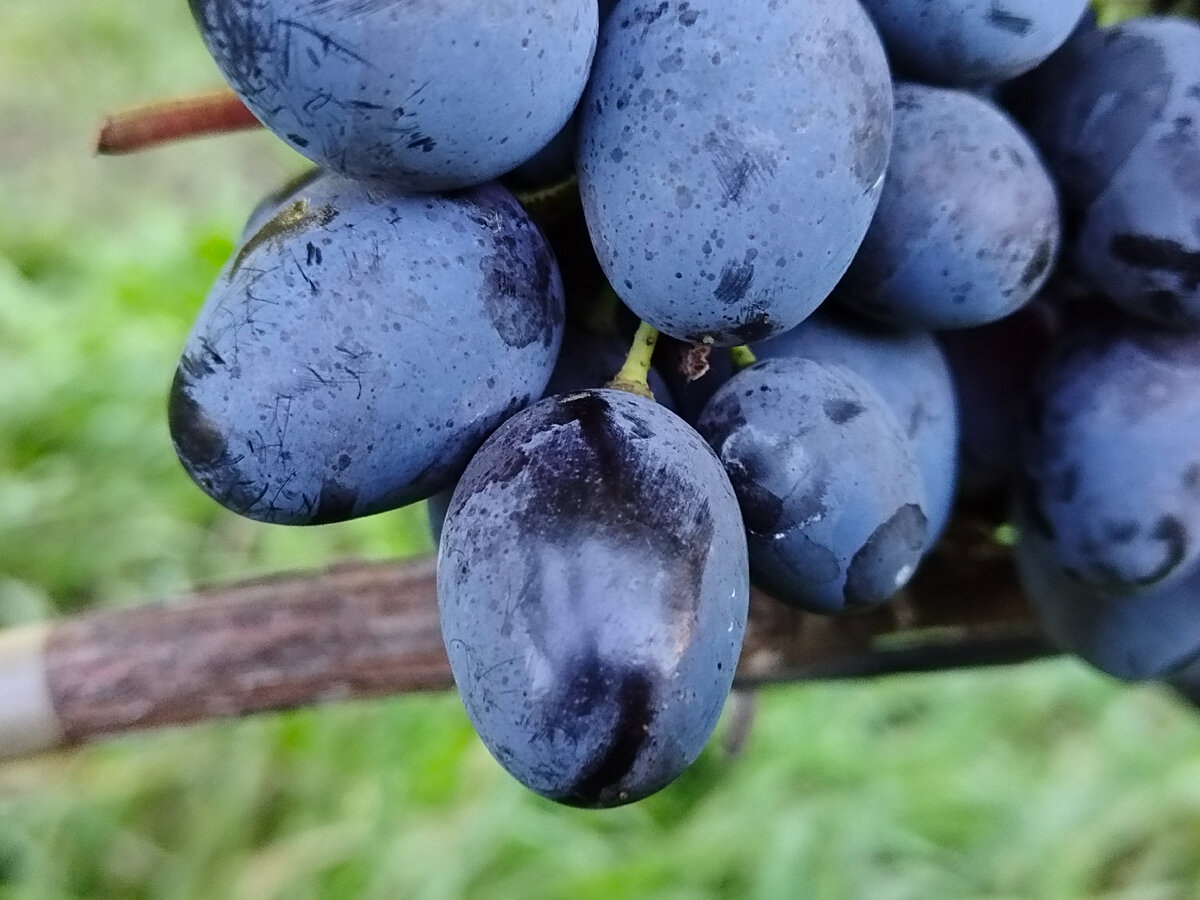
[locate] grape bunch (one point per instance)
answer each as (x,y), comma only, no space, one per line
(883,255)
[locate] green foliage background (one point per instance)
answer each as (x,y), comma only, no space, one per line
(1044,781)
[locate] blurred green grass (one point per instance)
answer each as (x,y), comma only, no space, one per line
(1044,781)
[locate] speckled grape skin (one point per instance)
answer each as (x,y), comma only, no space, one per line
(593,589)
(429,94)
(1111,458)
(971,42)
(826,481)
(1148,635)
(1117,116)
(967,228)
(360,346)
(730,158)
(907,369)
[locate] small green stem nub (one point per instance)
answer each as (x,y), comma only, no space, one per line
(632,376)
(743,357)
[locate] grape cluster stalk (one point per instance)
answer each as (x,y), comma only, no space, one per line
(911,257)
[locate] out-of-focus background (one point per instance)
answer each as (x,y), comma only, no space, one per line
(1043,781)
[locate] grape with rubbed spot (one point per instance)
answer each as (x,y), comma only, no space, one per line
(429,94)
(1116,114)
(1111,459)
(826,480)
(360,346)
(906,369)
(964,43)
(593,589)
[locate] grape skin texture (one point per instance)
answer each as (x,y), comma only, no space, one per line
(907,369)
(360,346)
(1111,459)
(1115,114)
(585,360)
(593,590)
(1148,635)
(826,480)
(429,94)
(730,158)
(972,42)
(967,228)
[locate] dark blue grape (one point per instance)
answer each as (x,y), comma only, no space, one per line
(967,228)
(360,346)
(906,369)
(1148,635)
(730,158)
(1116,114)
(593,585)
(429,94)
(970,42)
(826,480)
(1111,462)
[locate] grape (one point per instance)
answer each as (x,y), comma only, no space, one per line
(826,480)
(1116,114)
(967,228)
(970,42)
(360,346)
(1148,635)
(593,589)
(730,158)
(1111,465)
(429,94)
(908,371)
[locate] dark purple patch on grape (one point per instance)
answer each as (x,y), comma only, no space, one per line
(632,693)
(872,576)
(1157,253)
(735,282)
(840,410)
(199,444)
(335,503)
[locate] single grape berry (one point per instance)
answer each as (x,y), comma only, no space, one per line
(429,94)
(968,226)
(1115,115)
(730,158)
(593,588)
(826,480)
(360,346)
(1110,473)
(909,372)
(964,43)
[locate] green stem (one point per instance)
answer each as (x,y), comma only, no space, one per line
(632,376)
(743,357)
